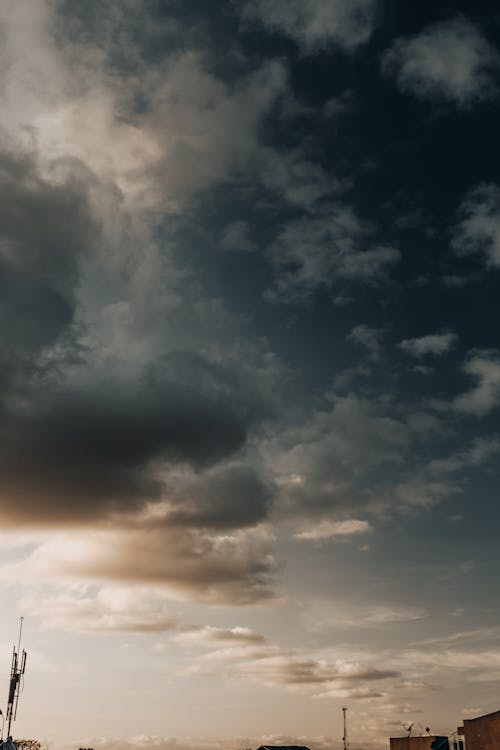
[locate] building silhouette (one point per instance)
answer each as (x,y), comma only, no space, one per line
(428,742)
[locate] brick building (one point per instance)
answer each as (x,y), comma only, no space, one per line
(482,733)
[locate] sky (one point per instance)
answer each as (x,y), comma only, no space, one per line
(250,369)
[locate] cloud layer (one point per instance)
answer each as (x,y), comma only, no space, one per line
(249,370)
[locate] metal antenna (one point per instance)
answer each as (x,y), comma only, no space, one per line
(21,619)
(17,669)
(408,729)
(346,742)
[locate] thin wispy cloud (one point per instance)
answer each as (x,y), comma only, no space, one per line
(334,530)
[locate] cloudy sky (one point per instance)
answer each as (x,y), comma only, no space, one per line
(250,368)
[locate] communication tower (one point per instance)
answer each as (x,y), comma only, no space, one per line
(17,670)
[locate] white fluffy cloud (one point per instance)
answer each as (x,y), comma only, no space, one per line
(317,252)
(477,231)
(450,60)
(317,24)
(112,609)
(433,343)
(367,337)
(484,368)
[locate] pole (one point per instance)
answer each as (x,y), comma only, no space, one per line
(346,743)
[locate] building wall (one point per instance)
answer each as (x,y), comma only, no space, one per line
(419,743)
(482,733)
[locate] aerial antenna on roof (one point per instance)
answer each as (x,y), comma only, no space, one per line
(408,729)
(346,742)
(17,670)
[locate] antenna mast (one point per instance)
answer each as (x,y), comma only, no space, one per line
(346,742)
(17,669)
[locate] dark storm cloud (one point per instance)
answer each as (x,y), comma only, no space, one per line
(233,496)
(77,454)
(45,230)
(101,422)
(78,442)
